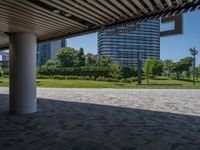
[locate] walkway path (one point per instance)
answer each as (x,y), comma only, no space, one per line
(104,119)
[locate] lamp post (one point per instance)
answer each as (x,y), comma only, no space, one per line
(193,52)
(37,59)
(139,69)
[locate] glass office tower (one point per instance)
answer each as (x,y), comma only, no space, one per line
(4,59)
(124,44)
(48,50)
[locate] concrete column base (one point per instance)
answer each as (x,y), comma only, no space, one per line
(22,49)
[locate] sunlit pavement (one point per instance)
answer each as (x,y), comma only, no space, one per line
(104,119)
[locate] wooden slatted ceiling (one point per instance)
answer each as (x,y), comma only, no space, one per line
(52,19)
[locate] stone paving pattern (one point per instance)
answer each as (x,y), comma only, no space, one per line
(104,119)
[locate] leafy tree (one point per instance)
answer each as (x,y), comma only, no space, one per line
(147,68)
(81,57)
(67,57)
(176,68)
(103,61)
(115,70)
(186,63)
(157,67)
(50,64)
(128,72)
(91,59)
(198,71)
(168,66)
(188,74)
(153,67)
(5,71)
(1,72)
(181,66)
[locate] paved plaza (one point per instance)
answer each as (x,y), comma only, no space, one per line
(104,119)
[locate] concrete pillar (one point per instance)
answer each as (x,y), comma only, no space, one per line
(22,49)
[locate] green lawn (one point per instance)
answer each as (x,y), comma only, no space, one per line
(186,84)
(4,82)
(81,84)
(100,84)
(75,84)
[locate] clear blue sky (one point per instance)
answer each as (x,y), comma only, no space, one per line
(173,47)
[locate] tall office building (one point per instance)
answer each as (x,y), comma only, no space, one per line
(48,50)
(124,44)
(45,51)
(4,59)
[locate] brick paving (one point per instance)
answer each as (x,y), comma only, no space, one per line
(104,119)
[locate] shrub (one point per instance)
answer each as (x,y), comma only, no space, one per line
(115,71)
(5,71)
(87,78)
(126,80)
(50,64)
(81,77)
(59,77)
(71,77)
(129,72)
(6,76)
(102,78)
(113,80)
(132,79)
(92,78)
(91,71)
(1,72)
(42,77)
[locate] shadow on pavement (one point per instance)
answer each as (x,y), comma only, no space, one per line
(62,125)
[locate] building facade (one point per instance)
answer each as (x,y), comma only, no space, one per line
(4,59)
(45,51)
(124,44)
(48,50)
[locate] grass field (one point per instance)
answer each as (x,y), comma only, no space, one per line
(52,83)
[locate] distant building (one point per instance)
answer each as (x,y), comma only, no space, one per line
(4,59)
(46,51)
(123,44)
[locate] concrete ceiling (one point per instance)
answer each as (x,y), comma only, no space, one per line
(56,19)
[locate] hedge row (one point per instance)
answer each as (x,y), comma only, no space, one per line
(5,71)
(91,71)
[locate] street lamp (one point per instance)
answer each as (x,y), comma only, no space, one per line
(38,58)
(139,69)
(193,52)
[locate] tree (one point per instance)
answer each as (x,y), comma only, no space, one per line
(186,63)
(168,66)
(147,68)
(50,64)
(181,66)
(103,61)
(128,72)
(81,57)
(157,67)
(198,71)
(115,71)
(91,59)
(153,67)
(176,68)
(1,72)
(67,57)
